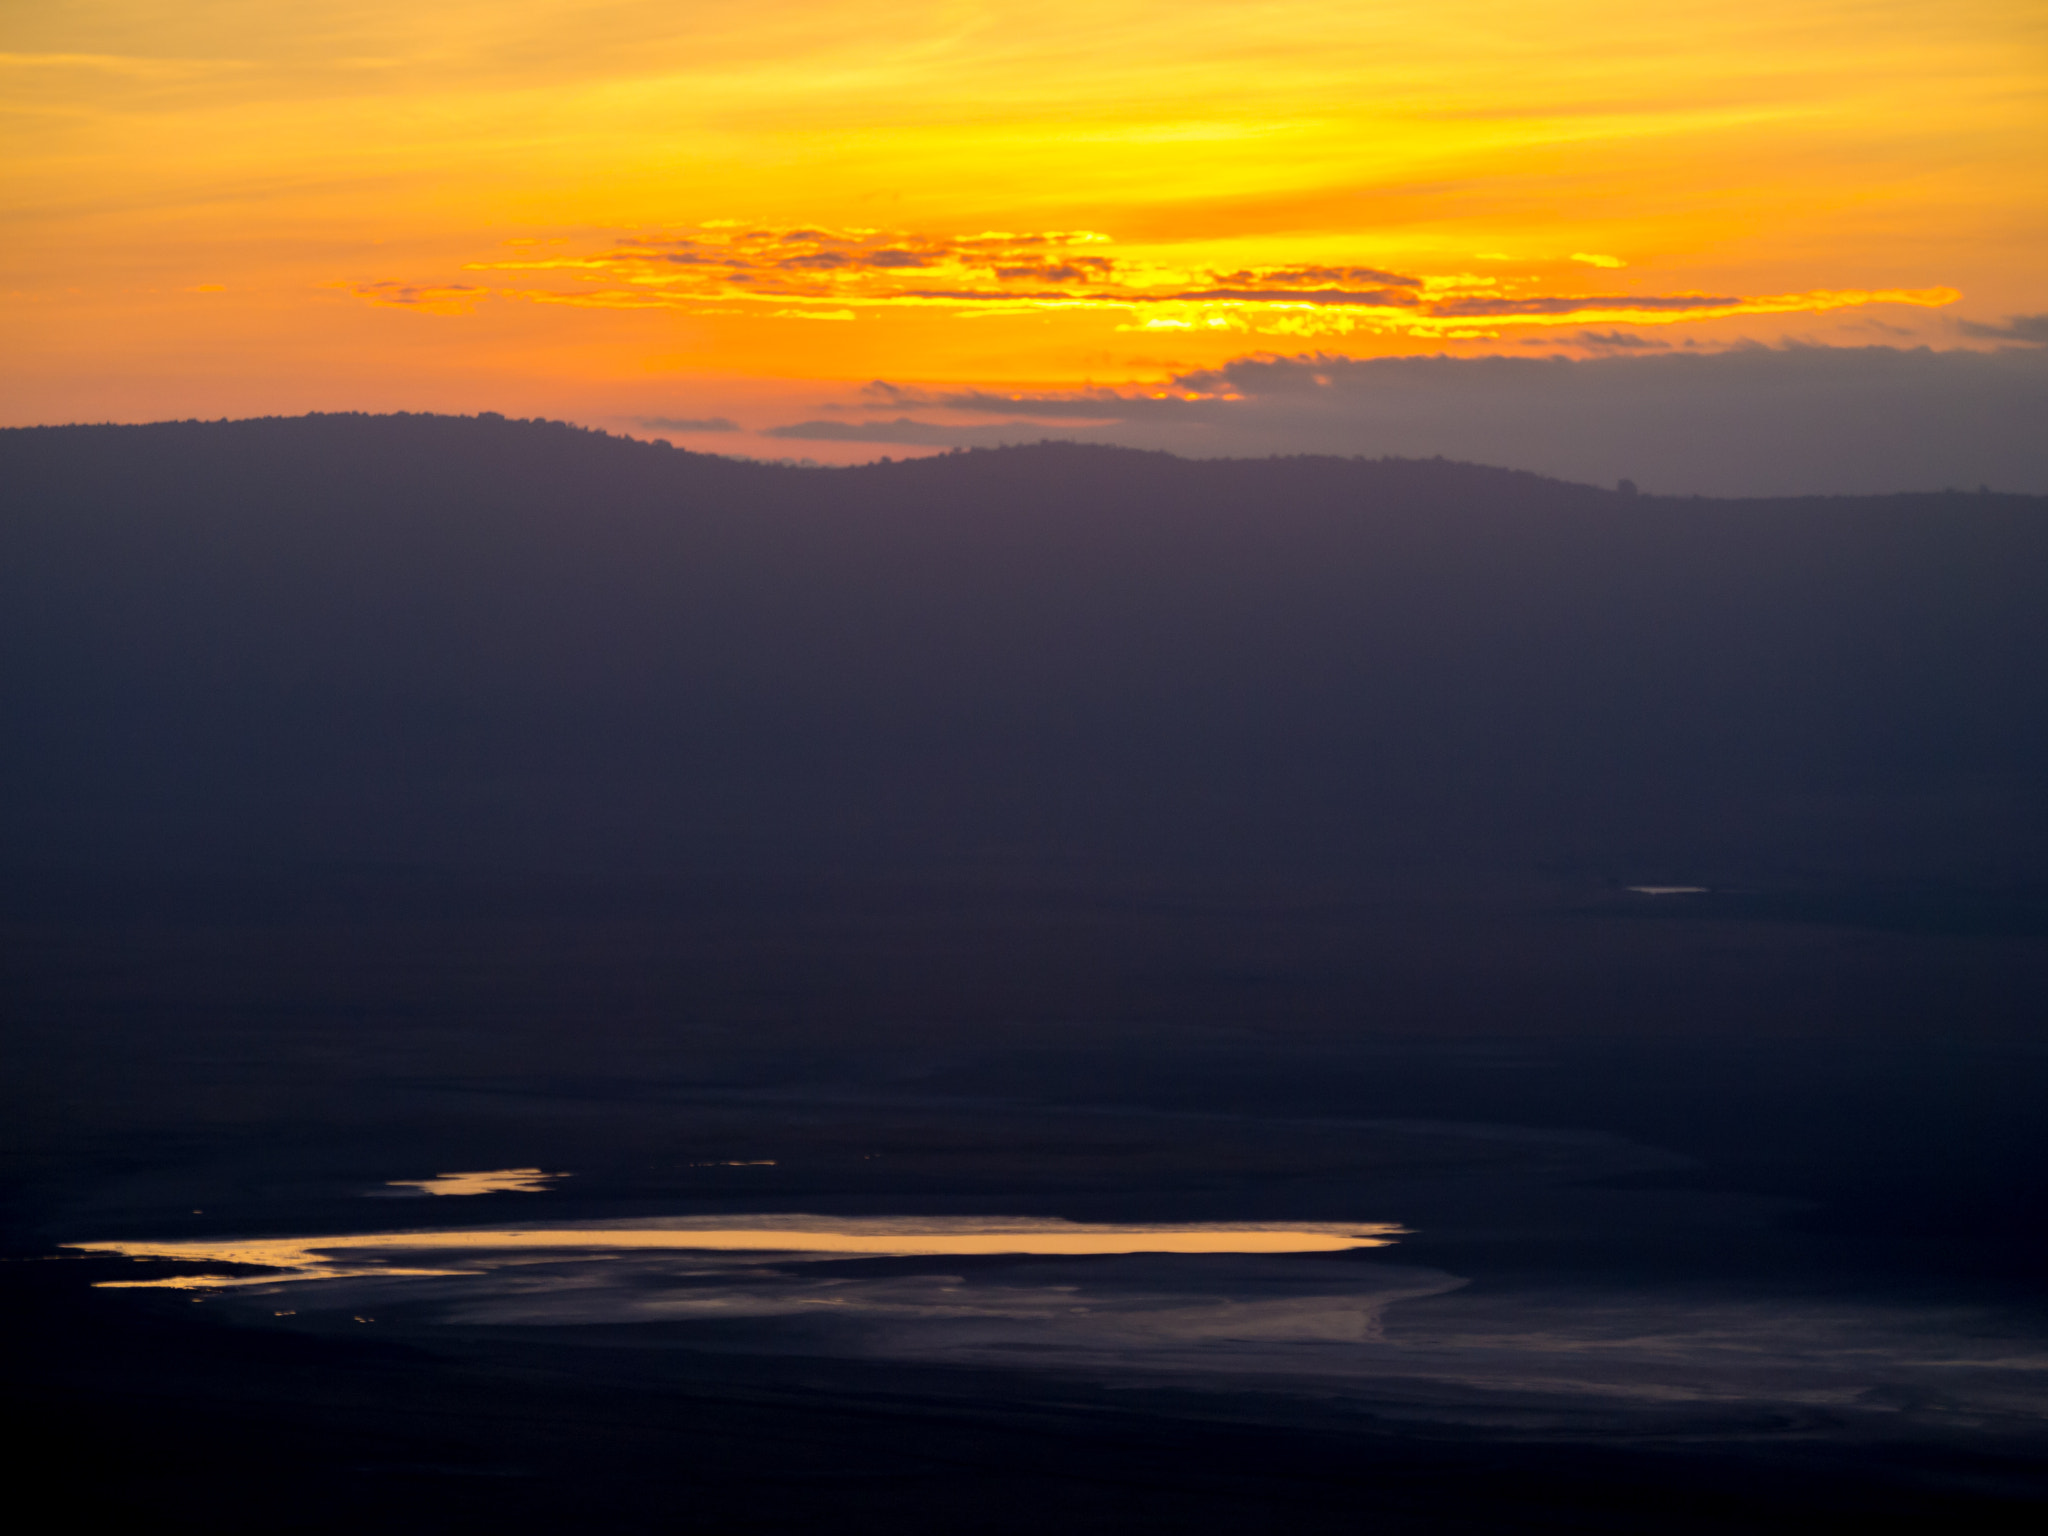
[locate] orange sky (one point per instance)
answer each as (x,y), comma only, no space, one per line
(611,212)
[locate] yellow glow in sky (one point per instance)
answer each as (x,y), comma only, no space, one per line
(600,210)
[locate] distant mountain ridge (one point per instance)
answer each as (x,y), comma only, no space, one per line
(477,639)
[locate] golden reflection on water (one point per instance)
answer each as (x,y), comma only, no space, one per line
(344,1256)
(495,1181)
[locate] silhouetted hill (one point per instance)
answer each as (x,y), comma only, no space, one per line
(1051,831)
(502,642)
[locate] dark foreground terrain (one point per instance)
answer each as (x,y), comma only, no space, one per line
(1040,833)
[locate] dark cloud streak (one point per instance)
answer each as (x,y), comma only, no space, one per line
(688,423)
(1482,304)
(2029,330)
(904,430)
(1750,421)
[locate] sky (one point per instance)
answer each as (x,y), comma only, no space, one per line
(806,228)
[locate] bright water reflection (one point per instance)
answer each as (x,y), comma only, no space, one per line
(1120,1304)
(372,1253)
(495,1181)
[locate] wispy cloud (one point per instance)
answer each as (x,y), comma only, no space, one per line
(813,273)
(688,423)
(440,299)
(1603,342)
(911,433)
(2029,330)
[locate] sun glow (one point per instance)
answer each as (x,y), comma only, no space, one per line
(601,211)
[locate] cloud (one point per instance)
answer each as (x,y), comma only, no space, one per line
(1307,277)
(2029,330)
(1082,405)
(1749,421)
(1592,259)
(893,394)
(445,299)
(1572,304)
(688,423)
(1381,298)
(905,431)
(1007,272)
(1603,341)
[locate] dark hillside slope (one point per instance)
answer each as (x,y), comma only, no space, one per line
(499,642)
